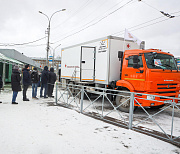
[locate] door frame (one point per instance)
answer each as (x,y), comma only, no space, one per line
(81,61)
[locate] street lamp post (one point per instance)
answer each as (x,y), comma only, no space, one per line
(54,53)
(48,30)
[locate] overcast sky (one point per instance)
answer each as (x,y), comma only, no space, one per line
(84,20)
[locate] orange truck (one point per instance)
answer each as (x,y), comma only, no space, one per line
(150,72)
(102,63)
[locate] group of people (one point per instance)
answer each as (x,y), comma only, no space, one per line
(47,80)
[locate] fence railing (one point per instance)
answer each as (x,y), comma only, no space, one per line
(100,103)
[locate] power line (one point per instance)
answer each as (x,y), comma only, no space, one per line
(162,12)
(26,43)
(17,44)
(165,14)
(122,31)
(81,20)
(137,25)
(76,12)
(96,21)
(149,5)
(106,11)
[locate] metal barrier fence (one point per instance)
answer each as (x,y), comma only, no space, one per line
(161,123)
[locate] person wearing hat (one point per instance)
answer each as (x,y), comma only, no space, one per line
(26,81)
(15,83)
(34,80)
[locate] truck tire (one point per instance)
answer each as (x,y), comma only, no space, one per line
(125,106)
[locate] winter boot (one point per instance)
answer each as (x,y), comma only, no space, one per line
(26,99)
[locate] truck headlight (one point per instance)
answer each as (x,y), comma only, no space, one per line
(178,95)
(151,97)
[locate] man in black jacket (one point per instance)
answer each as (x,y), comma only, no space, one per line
(44,81)
(52,80)
(26,81)
(15,83)
(34,80)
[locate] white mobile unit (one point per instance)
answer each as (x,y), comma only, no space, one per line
(94,61)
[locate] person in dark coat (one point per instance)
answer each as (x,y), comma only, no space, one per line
(34,80)
(15,83)
(26,81)
(44,82)
(1,84)
(52,80)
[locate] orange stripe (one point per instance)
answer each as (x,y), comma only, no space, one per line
(82,79)
(99,80)
(70,77)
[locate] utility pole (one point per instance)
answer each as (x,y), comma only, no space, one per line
(48,32)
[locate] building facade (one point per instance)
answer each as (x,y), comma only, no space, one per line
(42,61)
(11,57)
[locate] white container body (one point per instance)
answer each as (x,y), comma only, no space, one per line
(95,61)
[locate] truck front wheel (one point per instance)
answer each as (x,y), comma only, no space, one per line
(123,102)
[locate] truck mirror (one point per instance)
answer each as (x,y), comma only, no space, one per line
(135,59)
(136,66)
(120,54)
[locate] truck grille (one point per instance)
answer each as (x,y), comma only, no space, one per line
(167,86)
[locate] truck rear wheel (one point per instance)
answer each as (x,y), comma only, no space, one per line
(123,102)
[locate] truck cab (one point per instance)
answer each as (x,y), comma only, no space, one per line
(151,72)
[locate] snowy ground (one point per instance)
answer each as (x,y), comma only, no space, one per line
(36,127)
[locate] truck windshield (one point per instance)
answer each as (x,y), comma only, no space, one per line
(160,61)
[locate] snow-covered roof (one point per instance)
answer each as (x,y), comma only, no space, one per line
(3,58)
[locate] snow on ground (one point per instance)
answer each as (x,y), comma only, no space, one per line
(35,127)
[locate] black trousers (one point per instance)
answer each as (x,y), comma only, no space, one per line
(25,87)
(50,89)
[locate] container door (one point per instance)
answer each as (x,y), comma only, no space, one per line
(87,63)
